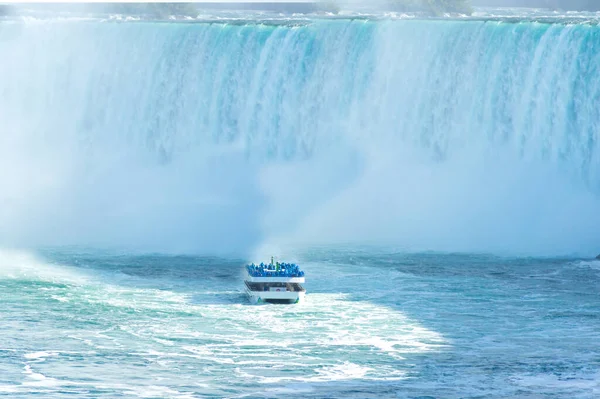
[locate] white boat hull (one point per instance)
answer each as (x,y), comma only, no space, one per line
(259,297)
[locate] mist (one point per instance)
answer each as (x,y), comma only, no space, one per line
(574,5)
(210,138)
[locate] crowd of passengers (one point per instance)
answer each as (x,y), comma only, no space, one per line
(276,270)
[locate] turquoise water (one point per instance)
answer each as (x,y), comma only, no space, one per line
(374,325)
(401,149)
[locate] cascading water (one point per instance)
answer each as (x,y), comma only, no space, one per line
(254,139)
(442,135)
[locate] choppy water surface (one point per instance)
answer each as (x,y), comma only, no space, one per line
(373,325)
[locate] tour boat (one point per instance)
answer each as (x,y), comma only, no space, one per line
(274,283)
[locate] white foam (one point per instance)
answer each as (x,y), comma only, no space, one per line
(40,355)
(338,372)
(589,383)
(9,388)
(40,380)
(154,391)
(318,339)
(592,264)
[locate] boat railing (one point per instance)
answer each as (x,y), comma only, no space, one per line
(277,270)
